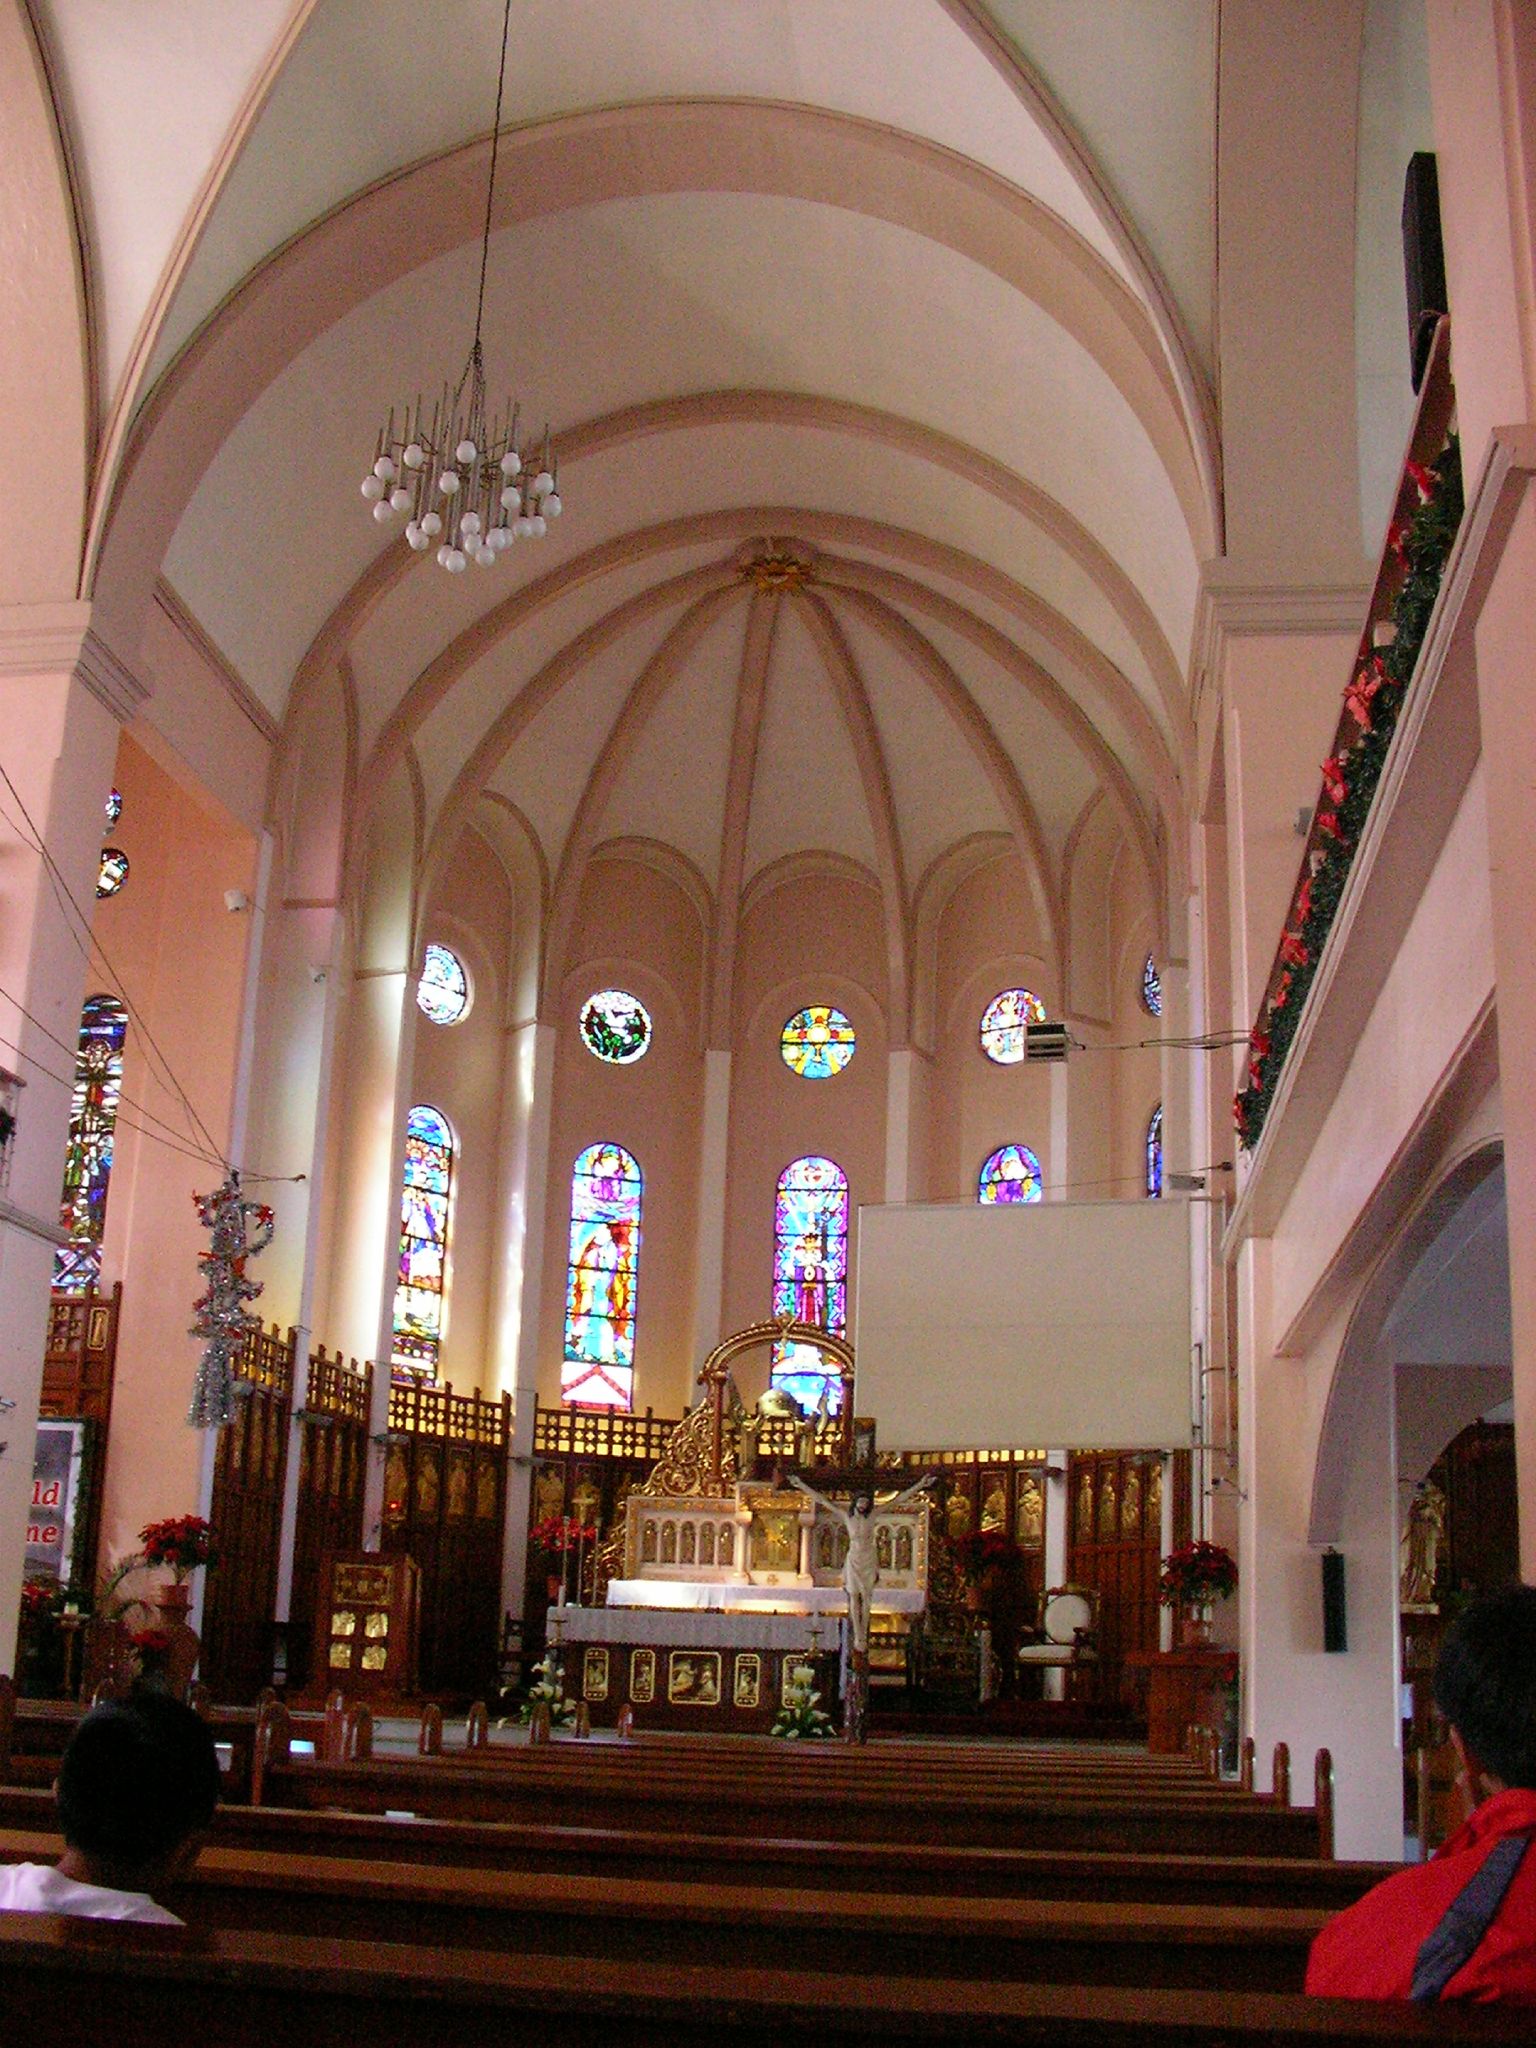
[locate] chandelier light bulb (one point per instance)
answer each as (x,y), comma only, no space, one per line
(537,526)
(435,448)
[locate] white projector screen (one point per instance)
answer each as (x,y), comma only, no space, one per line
(1059,1324)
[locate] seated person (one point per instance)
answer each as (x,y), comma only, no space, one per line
(1462,1925)
(136,1791)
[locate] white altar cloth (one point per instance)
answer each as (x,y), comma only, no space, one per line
(724,1596)
(692,1629)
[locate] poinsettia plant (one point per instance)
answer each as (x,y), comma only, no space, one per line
(39,1600)
(559,1534)
(183,1542)
(1196,1573)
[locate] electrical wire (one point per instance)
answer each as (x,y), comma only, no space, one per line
(171,1144)
(71,910)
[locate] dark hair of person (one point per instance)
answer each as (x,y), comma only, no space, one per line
(138,1777)
(1485,1683)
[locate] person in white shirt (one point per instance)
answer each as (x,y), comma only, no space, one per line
(136,1791)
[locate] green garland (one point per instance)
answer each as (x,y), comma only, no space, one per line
(1375,698)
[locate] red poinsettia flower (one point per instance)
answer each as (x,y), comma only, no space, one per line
(1423,480)
(1333,780)
(1294,950)
(1282,994)
(1304,901)
(1328,823)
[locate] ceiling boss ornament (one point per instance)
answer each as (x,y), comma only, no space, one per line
(457,476)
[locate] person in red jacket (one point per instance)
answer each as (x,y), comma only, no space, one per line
(1462,1925)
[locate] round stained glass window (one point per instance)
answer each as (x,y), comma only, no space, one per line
(615,1026)
(442,994)
(1003,1024)
(817,1042)
(1011,1174)
(113,871)
(1151,989)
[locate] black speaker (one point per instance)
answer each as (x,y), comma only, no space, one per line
(1335,1626)
(1423,258)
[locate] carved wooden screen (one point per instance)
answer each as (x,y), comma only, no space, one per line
(1114,1543)
(333,1455)
(445,1484)
(992,1490)
(79,1360)
(247,1511)
(587,1462)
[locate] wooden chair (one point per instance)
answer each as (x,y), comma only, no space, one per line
(1068,1636)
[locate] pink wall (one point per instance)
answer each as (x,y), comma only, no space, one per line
(635,930)
(181,956)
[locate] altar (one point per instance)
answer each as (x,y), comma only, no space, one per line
(726,1575)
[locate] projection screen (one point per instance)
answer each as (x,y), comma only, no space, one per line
(1060,1324)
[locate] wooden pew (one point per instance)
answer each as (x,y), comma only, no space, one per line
(139,1987)
(249,1838)
(548,1785)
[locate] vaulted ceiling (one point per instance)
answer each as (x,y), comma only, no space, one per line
(876,338)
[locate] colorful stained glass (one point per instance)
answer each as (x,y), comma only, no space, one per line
(1011,1174)
(1155,1152)
(1003,1024)
(599,1368)
(425,1199)
(817,1042)
(88,1161)
(810,1274)
(113,807)
(442,994)
(1151,988)
(616,1027)
(112,871)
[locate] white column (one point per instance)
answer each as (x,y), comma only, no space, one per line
(709,1228)
(1058,1171)
(906,1101)
(519,1275)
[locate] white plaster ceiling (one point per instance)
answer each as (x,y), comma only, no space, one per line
(1009,450)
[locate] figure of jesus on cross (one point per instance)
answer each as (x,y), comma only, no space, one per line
(860,1567)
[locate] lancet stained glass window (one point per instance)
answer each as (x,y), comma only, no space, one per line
(1151,988)
(1011,1174)
(88,1161)
(1155,1152)
(442,994)
(810,1274)
(425,1199)
(1003,1024)
(607,1188)
(817,1042)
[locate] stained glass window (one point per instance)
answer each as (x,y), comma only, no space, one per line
(1003,1023)
(425,1197)
(810,1273)
(599,1368)
(88,1161)
(442,994)
(615,1027)
(1011,1174)
(1151,988)
(114,806)
(112,871)
(817,1042)
(1155,1152)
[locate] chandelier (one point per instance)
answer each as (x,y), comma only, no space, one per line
(457,475)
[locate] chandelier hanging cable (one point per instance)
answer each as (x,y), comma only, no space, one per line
(458,478)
